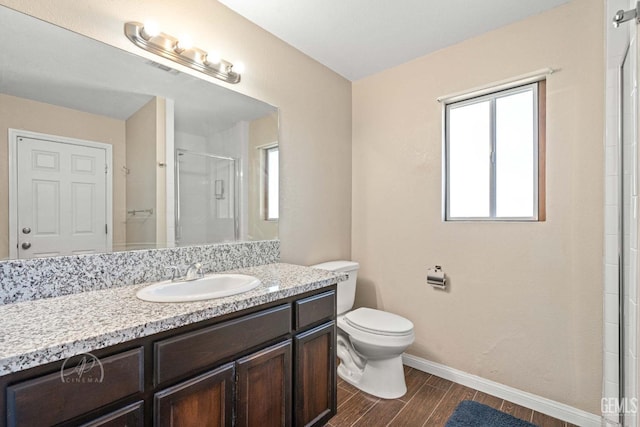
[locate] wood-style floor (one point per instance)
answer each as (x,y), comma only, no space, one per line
(429,401)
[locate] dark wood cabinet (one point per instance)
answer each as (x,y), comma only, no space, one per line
(129,416)
(190,352)
(264,387)
(82,384)
(272,365)
(204,401)
(315,373)
(314,309)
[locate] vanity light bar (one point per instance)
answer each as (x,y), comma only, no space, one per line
(171,48)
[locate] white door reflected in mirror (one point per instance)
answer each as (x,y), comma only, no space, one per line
(62,200)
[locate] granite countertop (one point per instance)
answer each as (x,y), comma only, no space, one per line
(46,330)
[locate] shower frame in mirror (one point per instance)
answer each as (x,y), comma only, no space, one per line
(209,158)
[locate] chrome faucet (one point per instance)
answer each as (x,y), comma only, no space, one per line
(194,271)
(175,272)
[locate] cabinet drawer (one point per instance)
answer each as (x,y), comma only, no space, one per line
(315,309)
(84,383)
(130,416)
(187,353)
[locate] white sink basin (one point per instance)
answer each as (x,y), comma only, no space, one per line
(211,286)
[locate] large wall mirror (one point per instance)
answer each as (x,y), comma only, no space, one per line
(102,150)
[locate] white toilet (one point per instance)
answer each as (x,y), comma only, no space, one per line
(370,342)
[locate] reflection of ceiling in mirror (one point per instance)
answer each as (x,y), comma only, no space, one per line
(46,63)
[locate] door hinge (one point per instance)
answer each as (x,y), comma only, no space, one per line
(106,168)
(106,230)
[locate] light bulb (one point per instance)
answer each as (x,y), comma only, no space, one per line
(213,58)
(184,43)
(150,29)
(238,67)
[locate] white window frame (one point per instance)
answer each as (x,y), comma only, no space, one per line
(492,96)
(265,196)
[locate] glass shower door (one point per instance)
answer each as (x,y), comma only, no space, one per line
(628,241)
(206,198)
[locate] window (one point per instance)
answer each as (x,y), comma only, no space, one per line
(494,156)
(271,191)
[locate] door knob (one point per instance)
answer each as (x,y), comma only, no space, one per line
(26,230)
(26,245)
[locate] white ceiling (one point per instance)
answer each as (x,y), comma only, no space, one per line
(357,38)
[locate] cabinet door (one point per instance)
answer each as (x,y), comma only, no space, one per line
(264,387)
(204,401)
(315,373)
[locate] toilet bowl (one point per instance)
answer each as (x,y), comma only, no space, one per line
(370,342)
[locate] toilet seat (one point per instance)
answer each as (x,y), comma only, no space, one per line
(370,336)
(379,322)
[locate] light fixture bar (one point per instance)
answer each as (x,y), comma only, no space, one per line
(169,47)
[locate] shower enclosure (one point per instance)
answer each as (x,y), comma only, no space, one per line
(207,198)
(626,225)
(622,248)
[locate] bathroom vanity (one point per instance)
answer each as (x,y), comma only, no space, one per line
(266,357)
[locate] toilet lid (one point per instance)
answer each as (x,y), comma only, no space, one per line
(378,322)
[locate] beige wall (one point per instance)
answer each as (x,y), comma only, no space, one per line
(261,132)
(142,135)
(314,103)
(24,114)
(524,306)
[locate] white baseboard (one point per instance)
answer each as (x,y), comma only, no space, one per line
(523,398)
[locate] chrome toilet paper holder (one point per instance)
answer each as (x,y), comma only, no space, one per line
(436,277)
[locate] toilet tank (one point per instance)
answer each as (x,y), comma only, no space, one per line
(347,288)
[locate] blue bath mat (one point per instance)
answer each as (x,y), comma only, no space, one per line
(474,414)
